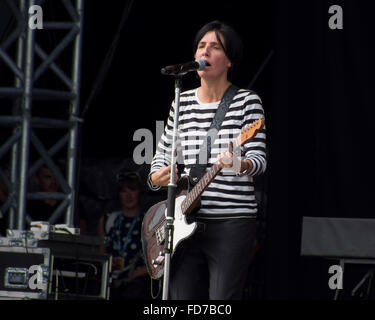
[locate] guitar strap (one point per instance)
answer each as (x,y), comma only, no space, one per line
(198,170)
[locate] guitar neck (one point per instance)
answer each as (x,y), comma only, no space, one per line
(246,134)
(192,197)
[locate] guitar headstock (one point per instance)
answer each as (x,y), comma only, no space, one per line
(250,131)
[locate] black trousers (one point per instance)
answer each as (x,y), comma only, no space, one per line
(213,264)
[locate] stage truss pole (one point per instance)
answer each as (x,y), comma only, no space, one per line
(39,76)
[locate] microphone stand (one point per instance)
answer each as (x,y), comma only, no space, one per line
(172,186)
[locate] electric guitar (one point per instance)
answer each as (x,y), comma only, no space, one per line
(154,222)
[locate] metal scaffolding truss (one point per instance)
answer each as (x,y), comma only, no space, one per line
(39,105)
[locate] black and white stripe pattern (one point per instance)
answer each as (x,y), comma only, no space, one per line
(228,195)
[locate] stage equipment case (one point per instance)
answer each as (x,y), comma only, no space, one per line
(53,266)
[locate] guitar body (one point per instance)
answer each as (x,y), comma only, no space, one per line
(153,234)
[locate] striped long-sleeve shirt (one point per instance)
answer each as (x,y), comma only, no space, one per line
(228,195)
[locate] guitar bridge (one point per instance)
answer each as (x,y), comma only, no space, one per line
(158,261)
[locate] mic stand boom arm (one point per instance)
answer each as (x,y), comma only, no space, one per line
(171,193)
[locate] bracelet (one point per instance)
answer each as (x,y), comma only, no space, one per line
(246,171)
(150,184)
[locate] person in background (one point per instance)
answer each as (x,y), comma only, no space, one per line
(122,229)
(42,210)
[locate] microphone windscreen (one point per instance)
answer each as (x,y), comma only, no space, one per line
(201,64)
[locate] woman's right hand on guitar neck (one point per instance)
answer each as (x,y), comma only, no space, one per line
(163,176)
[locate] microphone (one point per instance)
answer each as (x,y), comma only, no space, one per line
(183,68)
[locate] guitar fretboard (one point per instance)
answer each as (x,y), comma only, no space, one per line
(198,189)
(246,134)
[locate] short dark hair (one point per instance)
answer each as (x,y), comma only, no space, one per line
(129,179)
(232,46)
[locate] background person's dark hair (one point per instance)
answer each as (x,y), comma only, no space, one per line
(232,46)
(128,179)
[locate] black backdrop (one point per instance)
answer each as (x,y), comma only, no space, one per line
(320,134)
(317,94)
